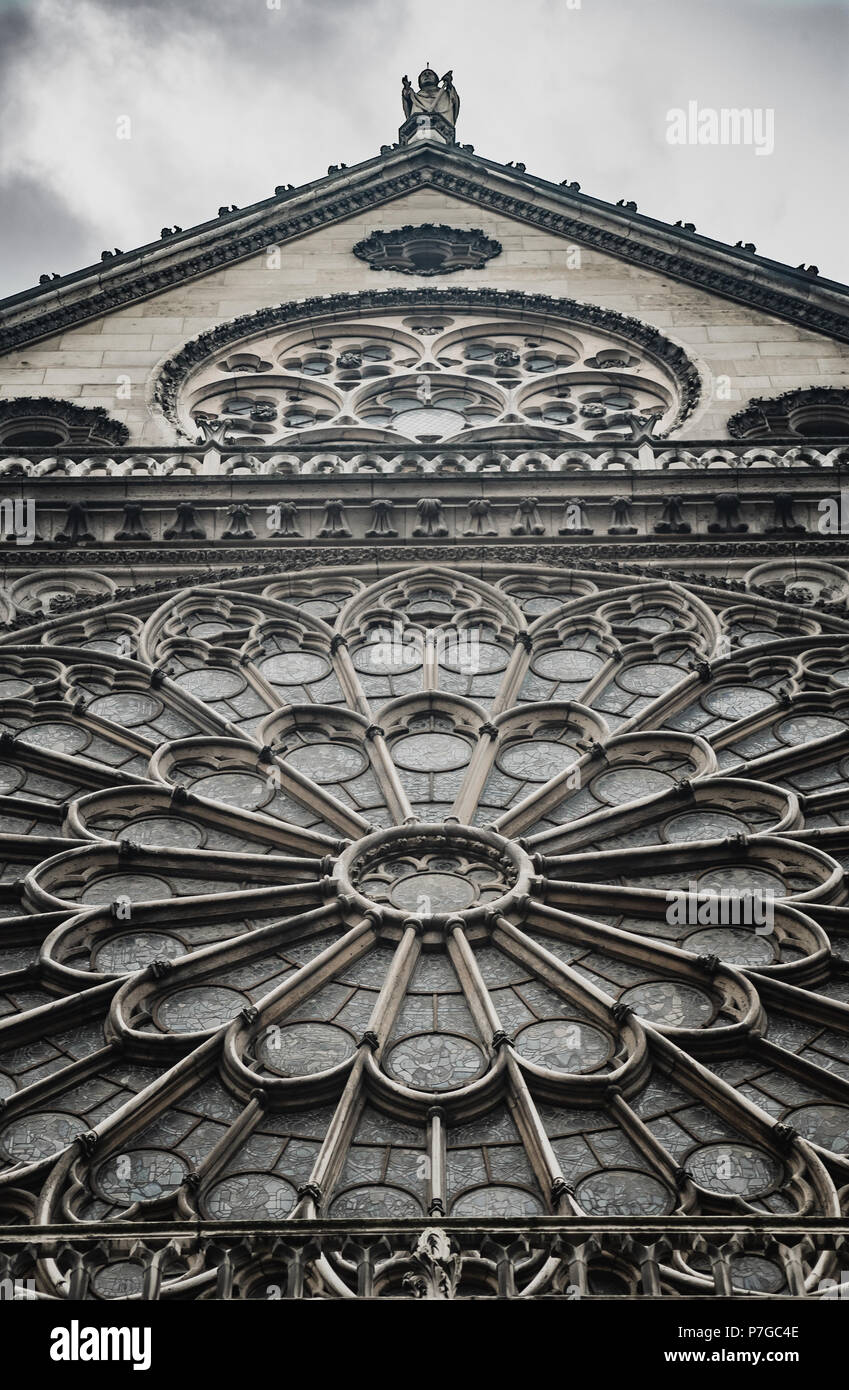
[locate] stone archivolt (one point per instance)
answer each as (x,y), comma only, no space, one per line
(572,370)
(445,855)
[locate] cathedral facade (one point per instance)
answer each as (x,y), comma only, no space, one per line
(424,727)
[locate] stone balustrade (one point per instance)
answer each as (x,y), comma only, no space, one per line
(568,1258)
(305,459)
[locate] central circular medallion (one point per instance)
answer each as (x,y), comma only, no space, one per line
(443,892)
(433,871)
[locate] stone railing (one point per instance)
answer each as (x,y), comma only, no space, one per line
(353,458)
(567,1258)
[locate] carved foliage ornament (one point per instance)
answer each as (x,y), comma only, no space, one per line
(813,412)
(427,250)
(43,421)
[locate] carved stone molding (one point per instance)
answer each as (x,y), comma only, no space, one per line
(399,458)
(74,425)
(427,250)
(434,170)
(810,413)
(514,302)
(226,564)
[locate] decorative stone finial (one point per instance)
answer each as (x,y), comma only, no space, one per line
(431,112)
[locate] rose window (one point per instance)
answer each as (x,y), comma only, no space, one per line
(553,924)
(432,377)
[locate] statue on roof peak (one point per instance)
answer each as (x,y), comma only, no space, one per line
(435,97)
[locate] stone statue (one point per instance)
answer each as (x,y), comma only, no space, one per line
(431,99)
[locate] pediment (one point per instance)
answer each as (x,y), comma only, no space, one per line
(457,178)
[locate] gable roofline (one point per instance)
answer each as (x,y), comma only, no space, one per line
(819,305)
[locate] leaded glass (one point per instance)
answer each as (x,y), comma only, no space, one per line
(570,1045)
(443,932)
(250,1196)
(618,1192)
(434,1061)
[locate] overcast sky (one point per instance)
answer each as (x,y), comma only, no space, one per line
(227,98)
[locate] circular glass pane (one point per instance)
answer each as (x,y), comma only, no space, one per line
(199,1008)
(386,656)
(435,1061)
(566,1044)
(39,1135)
(328,762)
(121,1279)
(703,825)
(739,1169)
(623,1192)
(568,665)
(211,683)
(733,945)
(623,784)
(740,878)
(538,605)
(737,701)
(375,1200)
(320,608)
(431,752)
(207,629)
(242,789)
(670,1003)
(470,656)
(755,1274)
(58,738)
(135,950)
(654,679)
(141,1175)
(433,424)
(497,1201)
(806,727)
(136,887)
(826,1125)
(162,830)
(126,707)
(301,1049)
(426,894)
(294,668)
(251,1196)
(536,760)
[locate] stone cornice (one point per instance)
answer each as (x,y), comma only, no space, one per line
(713,267)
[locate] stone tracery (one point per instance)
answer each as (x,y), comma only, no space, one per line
(392,377)
(250,838)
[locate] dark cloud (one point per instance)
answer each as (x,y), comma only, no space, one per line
(18,33)
(41,234)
